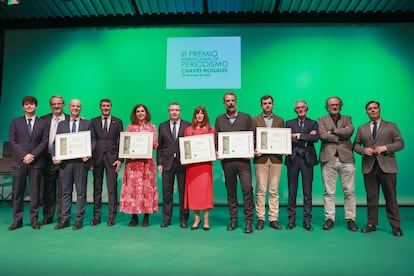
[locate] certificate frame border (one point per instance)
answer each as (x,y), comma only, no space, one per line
(288,137)
(86,133)
(222,155)
(147,155)
(212,149)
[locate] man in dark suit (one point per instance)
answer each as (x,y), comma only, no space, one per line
(51,170)
(105,132)
(28,138)
(302,160)
(233,120)
(168,163)
(377,142)
(73,170)
(268,168)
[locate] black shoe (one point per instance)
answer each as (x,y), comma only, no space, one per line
(275,225)
(133,221)
(165,223)
(232,226)
(290,225)
(195,226)
(352,226)
(62,224)
(77,225)
(397,232)
(329,224)
(145,221)
(15,226)
(206,228)
(248,229)
(183,224)
(260,224)
(307,226)
(46,221)
(95,222)
(35,224)
(369,228)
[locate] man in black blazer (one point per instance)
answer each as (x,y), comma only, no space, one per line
(302,160)
(233,120)
(378,141)
(168,163)
(51,170)
(105,132)
(28,138)
(73,170)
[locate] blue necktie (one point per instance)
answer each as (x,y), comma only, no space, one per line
(29,126)
(374,130)
(74,125)
(174,131)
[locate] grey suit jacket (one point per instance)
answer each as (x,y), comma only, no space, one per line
(258,121)
(105,142)
(339,141)
(388,135)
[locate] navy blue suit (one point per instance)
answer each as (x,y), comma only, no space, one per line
(23,143)
(73,171)
(302,160)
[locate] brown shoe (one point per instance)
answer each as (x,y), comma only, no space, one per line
(145,221)
(95,222)
(111,222)
(134,220)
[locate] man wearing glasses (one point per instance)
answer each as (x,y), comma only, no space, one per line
(336,157)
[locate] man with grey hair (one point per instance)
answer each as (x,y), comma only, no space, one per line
(337,158)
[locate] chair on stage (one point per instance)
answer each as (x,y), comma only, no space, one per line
(6,180)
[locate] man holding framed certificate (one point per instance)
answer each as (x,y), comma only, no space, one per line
(268,168)
(235,121)
(73,170)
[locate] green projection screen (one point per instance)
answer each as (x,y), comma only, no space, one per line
(312,62)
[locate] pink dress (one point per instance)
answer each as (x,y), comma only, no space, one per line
(198,193)
(139,192)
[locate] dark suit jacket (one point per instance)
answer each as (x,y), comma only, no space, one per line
(258,121)
(64,127)
(23,143)
(306,141)
(48,119)
(166,144)
(389,135)
(105,142)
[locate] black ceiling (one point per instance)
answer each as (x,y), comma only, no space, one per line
(15,14)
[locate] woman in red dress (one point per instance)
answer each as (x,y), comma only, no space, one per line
(139,192)
(198,181)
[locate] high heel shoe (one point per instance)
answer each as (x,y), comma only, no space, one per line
(206,228)
(195,227)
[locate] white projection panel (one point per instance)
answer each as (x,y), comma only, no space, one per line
(203,63)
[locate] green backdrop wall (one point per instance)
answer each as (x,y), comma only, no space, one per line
(312,62)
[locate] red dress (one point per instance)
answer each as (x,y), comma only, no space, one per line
(198,193)
(139,191)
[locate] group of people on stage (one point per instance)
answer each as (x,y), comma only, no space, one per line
(34,161)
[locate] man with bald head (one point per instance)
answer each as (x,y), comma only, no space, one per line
(73,170)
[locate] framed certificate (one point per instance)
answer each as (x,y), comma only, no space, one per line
(73,145)
(136,145)
(197,148)
(235,144)
(270,140)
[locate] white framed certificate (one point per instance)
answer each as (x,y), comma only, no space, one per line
(136,145)
(271,140)
(73,145)
(197,148)
(235,144)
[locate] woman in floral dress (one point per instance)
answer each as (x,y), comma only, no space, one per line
(139,192)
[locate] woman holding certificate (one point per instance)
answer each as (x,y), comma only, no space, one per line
(139,192)
(198,182)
